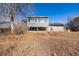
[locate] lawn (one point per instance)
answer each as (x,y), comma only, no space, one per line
(40,44)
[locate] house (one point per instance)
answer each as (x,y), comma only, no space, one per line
(4,26)
(37,23)
(56,27)
(41,23)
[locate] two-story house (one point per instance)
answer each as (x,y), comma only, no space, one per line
(37,23)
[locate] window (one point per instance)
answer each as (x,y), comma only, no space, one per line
(32,20)
(42,20)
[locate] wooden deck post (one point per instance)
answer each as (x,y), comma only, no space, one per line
(37,28)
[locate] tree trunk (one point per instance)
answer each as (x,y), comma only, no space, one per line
(12,24)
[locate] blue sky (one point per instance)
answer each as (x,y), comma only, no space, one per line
(57,12)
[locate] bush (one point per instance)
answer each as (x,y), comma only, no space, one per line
(20,28)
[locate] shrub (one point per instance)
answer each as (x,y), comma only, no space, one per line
(20,28)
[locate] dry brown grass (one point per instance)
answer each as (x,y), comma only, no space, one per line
(20,28)
(43,44)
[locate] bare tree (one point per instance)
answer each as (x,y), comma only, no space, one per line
(10,10)
(73,24)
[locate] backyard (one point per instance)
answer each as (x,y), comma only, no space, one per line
(40,44)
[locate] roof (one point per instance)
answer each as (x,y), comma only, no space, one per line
(37,17)
(4,22)
(56,24)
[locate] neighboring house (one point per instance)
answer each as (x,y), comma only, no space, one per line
(5,26)
(37,23)
(56,27)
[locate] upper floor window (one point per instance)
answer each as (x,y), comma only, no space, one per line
(32,20)
(42,20)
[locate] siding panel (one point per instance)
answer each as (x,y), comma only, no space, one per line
(37,24)
(56,28)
